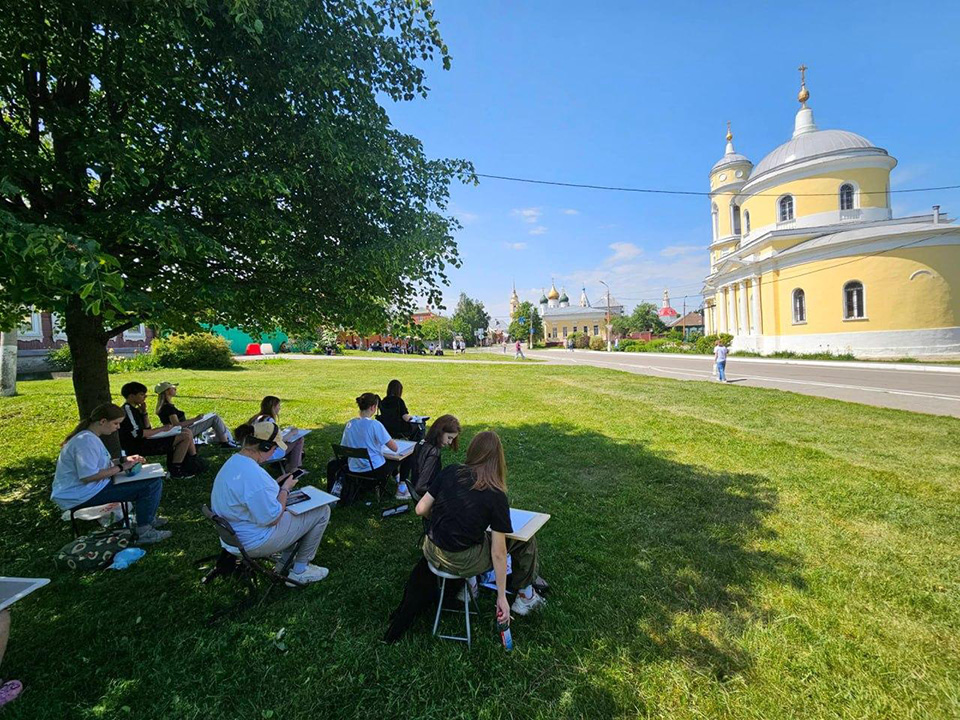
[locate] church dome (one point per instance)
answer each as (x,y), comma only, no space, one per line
(553,294)
(563,297)
(543,298)
(731,156)
(815,144)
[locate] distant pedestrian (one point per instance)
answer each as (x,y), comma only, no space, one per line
(720,356)
(519,352)
(570,344)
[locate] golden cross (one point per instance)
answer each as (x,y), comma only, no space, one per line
(803,74)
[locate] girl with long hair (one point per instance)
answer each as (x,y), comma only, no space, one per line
(462,502)
(426,462)
(85,468)
(171,415)
(270,412)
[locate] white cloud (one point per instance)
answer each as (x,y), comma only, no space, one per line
(515,246)
(674,250)
(623,251)
(466,218)
(570,211)
(608,226)
(528,215)
(538,230)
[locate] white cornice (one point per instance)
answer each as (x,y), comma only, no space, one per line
(812,167)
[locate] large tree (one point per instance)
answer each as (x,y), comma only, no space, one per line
(180,162)
(437,328)
(522,319)
(469,317)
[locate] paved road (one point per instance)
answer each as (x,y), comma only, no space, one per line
(921,388)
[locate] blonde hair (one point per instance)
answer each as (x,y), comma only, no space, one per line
(162,399)
(485,458)
(106,411)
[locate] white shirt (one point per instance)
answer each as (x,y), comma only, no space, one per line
(720,352)
(364,432)
(246,497)
(84,455)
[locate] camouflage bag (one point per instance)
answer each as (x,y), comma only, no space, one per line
(94,551)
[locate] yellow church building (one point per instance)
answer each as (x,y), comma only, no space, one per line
(561,319)
(806,255)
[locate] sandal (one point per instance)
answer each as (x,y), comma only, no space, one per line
(10,691)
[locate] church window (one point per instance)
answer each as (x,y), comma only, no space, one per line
(716,222)
(786,208)
(799,306)
(735,218)
(596,329)
(846,196)
(586,329)
(564,330)
(746,220)
(853,306)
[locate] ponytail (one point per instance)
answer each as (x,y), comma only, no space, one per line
(243,433)
(106,411)
(367,401)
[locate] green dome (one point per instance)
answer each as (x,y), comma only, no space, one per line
(564,298)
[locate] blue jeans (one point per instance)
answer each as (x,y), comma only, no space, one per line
(145,494)
(721,370)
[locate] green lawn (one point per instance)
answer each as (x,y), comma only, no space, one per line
(714,552)
(470,354)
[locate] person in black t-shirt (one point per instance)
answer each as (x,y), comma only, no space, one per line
(426,462)
(462,502)
(170,414)
(394,414)
(136,435)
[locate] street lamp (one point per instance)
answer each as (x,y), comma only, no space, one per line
(609,324)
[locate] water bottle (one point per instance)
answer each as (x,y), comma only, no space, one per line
(504,629)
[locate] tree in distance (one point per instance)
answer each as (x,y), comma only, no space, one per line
(437,329)
(470,316)
(643,318)
(521,320)
(185,164)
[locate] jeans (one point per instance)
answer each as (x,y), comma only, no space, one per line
(721,371)
(145,495)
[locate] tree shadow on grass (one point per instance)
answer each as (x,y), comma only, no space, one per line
(652,563)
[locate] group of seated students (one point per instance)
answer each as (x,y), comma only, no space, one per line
(465,506)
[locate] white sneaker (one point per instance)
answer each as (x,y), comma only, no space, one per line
(313,573)
(147,535)
(402,492)
(524,606)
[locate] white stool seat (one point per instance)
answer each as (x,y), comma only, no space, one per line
(444,576)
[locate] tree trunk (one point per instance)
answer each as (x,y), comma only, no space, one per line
(88,349)
(8,363)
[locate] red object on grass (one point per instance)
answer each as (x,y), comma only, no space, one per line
(253,349)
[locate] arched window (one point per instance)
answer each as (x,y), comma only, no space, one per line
(846,196)
(853,305)
(785,208)
(735,218)
(746,220)
(799,306)
(716,222)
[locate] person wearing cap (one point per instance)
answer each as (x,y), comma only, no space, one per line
(170,414)
(248,498)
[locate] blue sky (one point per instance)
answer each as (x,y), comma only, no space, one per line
(638,94)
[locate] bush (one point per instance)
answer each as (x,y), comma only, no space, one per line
(704,345)
(598,343)
(138,362)
(200,351)
(60,359)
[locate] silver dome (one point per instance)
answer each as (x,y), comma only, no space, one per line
(814,144)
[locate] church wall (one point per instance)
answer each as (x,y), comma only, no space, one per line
(912,288)
(818,194)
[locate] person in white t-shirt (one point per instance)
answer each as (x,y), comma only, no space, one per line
(720,356)
(248,498)
(85,468)
(367,433)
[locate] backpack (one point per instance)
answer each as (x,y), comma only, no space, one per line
(345,487)
(94,551)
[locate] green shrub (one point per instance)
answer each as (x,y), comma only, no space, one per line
(580,339)
(675,334)
(200,351)
(598,343)
(60,359)
(138,362)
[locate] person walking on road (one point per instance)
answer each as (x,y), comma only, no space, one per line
(518,355)
(720,356)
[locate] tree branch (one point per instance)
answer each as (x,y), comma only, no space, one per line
(107,334)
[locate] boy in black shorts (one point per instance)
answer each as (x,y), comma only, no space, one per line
(137,437)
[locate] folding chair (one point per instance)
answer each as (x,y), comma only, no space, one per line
(250,569)
(81,506)
(344,453)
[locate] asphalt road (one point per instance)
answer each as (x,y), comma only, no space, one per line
(920,388)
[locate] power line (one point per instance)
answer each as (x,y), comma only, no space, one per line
(696,193)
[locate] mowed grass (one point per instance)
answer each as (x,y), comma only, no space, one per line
(714,552)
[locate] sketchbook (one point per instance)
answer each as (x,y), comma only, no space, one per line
(149,471)
(404,448)
(308,498)
(175,430)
